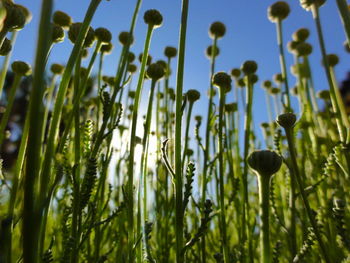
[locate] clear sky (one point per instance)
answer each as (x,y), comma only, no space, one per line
(250,36)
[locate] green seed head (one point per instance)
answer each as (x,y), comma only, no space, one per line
(223,81)
(249,67)
(275,91)
(307,4)
(103,34)
(301,35)
(332,60)
(6,47)
(84,53)
(198,118)
(324,94)
(189,152)
(265,125)
(57,69)
(278,11)
(236,72)
(265,162)
(153,18)
(217,30)
(57,34)
(292,46)
(149,59)
(15,16)
(21,68)
(170,52)
(209,51)
(125,38)
(155,71)
(62,19)
(286,120)
(132,94)
(131,57)
(303,49)
(267,84)
(253,78)
(162,63)
(132,68)
(73,33)
(241,83)
(278,78)
(231,107)
(106,48)
(193,95)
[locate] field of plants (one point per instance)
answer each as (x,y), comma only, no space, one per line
(79,185)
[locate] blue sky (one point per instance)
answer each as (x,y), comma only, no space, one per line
(250,36)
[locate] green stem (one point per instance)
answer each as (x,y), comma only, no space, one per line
(186,134)
(345,16)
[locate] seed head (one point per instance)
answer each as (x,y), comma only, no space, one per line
(21,68)
(303,49)
(265,162)
(62,19)
(84,53)
(217,30)
(292,45)
(149,59)
(249,67)
(106,48)
(57,34)
(57,69)
(275,91)
(125,38)
(162,63)
(253,78)
(241,83)
(278,11)
(278,78)
(193,95)
(73,33)
(307,4)
(155,71)
(286,120)
(103,34)
(198,118)
(222,80)
(132,94)
(301,35)
(131,57)
(153,18)
(6,47)
(324,94)
(231,107)
(132,68)
(15,16)
(209,51)
(332,60)
(267,84)
(236,72)
(170,52)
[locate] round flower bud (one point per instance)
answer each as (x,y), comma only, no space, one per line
(132,94)
(189,152)
(278,78)
(57,34)
(301,34)
(132,68)
(292,46)
(278,11)
(264,125)
(62,19)
(307,4)
(209,51)
(15,17)
(198,118)
(6,47)
(149,59)
(267,84)
(155,71)
(131,57)
(253,78)
(106,48)
(103,34)
(73,33)
(303,49)
(265,162)
(241,83)
(324,94)
(153,18)
(193,95)
(21,68)
(332,60)
(286,120)
(249,67)
(57,69)
(222,80)
(170,52)
(162,63)
(84,53)
(275,91)
(125,38)
(231,107)
(217,30)
(236,72)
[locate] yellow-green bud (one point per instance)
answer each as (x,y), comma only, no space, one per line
(249,67)
(217,30)
(106,48)
(267,84)
(57,34)
(332,60)
(21,68)
(125,38)
(103,34)
(15,17)
(324,94)
(131,57)
(198,118)
(278,11)
(303,49)
(153,18)
(223,81)
(62,19)
(84,53)
(236,72)
(307,4)
(6,47)
(155,71)
(132,94)
(286,120)
(132,68)
(231,107)
(292,46)
(209,51)
(149,59)
(265,162)
(57,69)
(301,34)
(193,95)
(73,33)
(275,91)
(170,52)
(241,83)
(278,78)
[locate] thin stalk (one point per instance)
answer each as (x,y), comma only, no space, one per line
(343,8)
(189,113)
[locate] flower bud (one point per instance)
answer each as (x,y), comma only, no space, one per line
(275,91)
(62,19)
(21,68)
(278,11)
(103,34)
(301,34)
(73,33)
(15,17)
(241,83)
(170,52)
(267,84)
(131,94)
(131,57)
(222,80)
(236,72)
(303,49)
(231,107)
(249,67)
(155,71)
(286,120)
(265,162)
(324,94)
(57,69)
(193,95)
(278,78)
(198,118)
(57,34)
(163,64)
(6,47)
(292,46)
(125,38)
(84,53)
(209,51)
(332,60)
(217,30)
(106,48)
(307,4)
(132,68)
(153,18)
(149,59)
